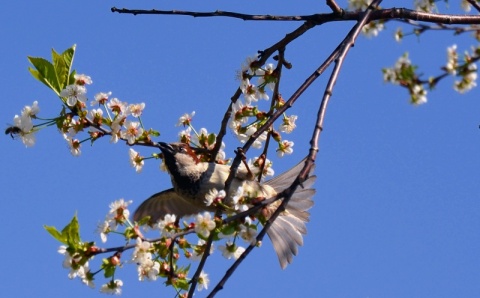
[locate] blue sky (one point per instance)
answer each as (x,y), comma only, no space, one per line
(397,206)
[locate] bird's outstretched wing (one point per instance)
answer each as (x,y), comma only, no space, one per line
(163,203)
(287,230)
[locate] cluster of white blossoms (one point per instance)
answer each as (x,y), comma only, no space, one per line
(261,166)
(23,124)
(147,267)
(373,28)
(110,118)
(77,265)
(146,254)
(241,201)
(76,93)
(114,123)
(430,5)
(166,226)
(118,215)
(468,79)
(452,60)
(199,139)
(403,73)
(247,117)
(467,72)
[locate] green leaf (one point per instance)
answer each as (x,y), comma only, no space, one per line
(61,70)
(63,64)
(228,230)
(71,232)
(108,269)
(55,76)
(55,233)
(68,56)
(154,133)
(212,138)
(71,79)
(182,284)
(44,72)
(144,220)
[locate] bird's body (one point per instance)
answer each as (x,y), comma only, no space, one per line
(192,180)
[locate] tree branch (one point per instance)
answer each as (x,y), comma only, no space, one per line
(381,14)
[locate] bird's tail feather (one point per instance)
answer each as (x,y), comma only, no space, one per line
(286,232)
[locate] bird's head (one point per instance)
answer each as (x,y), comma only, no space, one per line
(178,156)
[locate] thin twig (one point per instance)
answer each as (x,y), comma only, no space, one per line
(420,27)
(206,254)
(334,7)
(217,13)
(381,14)
(223,126)
(278,73)
(346,45)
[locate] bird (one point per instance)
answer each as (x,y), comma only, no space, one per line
(193,179)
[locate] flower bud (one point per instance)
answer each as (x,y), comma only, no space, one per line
(115,259)
(276,136)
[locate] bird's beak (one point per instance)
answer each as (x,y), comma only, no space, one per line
(166,148)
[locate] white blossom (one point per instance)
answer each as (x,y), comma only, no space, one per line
(31,111)
(141,252)
(117,106)
(284,147)
(74,93)
(248,233)
(113,287)
(132,131)
(203,281)
(198,252)
(204,224)
(82,79)
(185,119)
(247,64)
(119,211)
(288,124)
(149,270)
(230,250)
(166,226)
(136,160)
(213,195)
(100,98)
(136,109)
(26,130)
